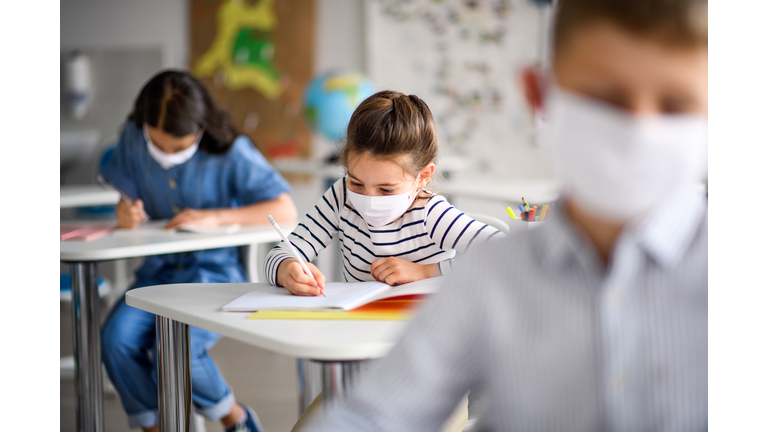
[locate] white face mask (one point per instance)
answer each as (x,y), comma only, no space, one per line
(382,210)
(171,160)
(617,166)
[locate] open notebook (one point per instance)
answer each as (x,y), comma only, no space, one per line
(338,296)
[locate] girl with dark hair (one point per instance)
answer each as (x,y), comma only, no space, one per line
(181,158)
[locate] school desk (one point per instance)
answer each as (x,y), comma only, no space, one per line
(506,191)
(83,258)
(339,346)
(71,196)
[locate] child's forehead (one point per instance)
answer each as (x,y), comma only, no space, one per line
(367,166)
(603,39)
(604,54)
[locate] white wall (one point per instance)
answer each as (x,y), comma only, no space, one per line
(339,37)
(97,24)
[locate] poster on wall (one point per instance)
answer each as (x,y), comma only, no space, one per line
(463,57)
(256,57)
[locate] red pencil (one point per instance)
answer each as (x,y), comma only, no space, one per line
(532,215)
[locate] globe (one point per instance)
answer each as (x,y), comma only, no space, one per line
(331,98)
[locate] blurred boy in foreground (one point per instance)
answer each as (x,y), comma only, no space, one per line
(598,320)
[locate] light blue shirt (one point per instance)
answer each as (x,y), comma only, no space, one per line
(554,339)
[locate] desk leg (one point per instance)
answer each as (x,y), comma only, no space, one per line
(86,323)
(310,382)
(174,390)
(338,377)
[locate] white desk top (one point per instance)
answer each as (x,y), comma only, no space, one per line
(199,305)
(506,190)
(86,195)
(150,239)
(535,191)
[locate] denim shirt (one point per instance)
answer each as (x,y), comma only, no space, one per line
(240,177)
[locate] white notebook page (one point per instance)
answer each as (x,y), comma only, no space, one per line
(337,296)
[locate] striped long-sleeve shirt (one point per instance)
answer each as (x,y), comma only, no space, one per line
(431,231)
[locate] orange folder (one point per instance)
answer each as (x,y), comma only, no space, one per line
(391,309)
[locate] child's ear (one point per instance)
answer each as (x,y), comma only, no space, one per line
(426,175)
(532,81)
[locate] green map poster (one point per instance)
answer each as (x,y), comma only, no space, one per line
(256,57)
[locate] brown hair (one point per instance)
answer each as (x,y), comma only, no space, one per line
(389,125)
(675,22)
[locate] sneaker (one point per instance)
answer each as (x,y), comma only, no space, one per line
(250,424)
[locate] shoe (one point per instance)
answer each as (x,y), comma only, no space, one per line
(250,424)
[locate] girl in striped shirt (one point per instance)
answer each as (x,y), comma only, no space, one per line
(391,229)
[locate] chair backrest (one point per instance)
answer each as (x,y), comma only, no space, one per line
(252,257)
(490,220)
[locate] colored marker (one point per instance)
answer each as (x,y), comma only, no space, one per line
(543,212)
(522,208)
(527,207)
(511,213)
(532,216)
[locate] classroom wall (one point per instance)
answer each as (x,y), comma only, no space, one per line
(340,38)
(130,41)
(128,24)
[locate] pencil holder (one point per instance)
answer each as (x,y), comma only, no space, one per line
(518,225)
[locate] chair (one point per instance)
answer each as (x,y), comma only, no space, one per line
(104,211)
(490,220)
(252,256)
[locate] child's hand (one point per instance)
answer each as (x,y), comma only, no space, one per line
(194,217)
(291,276)
(395,271)
(130,216)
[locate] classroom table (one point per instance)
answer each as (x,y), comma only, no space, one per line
(340,346)
(83,258)
(71,196)
(509,191)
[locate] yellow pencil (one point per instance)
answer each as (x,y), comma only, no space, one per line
(543,212)
(511,213)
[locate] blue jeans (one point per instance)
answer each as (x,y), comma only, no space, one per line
(128,350)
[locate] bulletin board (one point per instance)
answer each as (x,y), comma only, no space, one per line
(256,57)
(463,57)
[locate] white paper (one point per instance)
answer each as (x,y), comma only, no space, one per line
(344,296)
(337,296)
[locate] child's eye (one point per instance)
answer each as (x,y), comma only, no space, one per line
(357,185)
(387,191)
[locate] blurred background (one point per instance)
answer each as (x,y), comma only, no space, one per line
(290,72)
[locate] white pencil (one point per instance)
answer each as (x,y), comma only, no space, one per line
(293,250)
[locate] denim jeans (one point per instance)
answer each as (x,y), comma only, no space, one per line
(129,351)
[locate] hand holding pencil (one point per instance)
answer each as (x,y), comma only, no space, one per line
(291,276)
(297,276)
